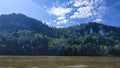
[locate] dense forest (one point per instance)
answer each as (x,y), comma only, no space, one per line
(21,35)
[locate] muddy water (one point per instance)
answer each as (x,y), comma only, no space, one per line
(58,62)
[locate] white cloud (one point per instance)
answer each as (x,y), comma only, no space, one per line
(64,21)
(60,11)
(74,10)
(98,20)
(83,12)
(88,9)
(69,2)
(78,3)
(98,1)
(48,23)
(61,18)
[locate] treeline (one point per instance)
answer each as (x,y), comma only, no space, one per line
(21,35)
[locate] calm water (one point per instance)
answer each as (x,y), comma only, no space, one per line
(59,62)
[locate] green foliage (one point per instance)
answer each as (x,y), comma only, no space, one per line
(21,35)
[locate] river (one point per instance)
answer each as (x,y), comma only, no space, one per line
(58,62)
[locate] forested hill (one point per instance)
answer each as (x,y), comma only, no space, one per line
(17,22)
(21,35)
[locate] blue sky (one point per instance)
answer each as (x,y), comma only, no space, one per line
(63,13)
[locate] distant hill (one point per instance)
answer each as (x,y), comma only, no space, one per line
(16,22)
(21,35)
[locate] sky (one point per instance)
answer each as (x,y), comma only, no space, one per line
(64,13)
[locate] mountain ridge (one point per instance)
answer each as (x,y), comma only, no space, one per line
(21,35)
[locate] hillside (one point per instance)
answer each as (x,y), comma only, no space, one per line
(21,35)
(16,22)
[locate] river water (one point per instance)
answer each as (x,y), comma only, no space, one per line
(58,62)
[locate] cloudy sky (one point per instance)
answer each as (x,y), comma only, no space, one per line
(63,13)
